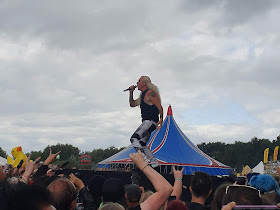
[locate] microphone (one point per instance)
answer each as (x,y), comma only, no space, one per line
(129,88)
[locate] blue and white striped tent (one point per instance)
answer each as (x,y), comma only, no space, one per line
(171,147)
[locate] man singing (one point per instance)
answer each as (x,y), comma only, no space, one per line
(150,104)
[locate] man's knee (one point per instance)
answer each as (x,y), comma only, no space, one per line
(152,128)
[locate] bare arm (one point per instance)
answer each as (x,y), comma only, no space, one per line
(156,101)
(161,185)
(29,168)
(177,187)
(132,102)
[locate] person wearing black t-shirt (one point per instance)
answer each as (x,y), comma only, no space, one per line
(201,188)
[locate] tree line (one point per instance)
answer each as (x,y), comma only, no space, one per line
(235,155)
(239,154)
(71,154)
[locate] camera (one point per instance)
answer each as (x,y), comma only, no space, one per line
(135,178)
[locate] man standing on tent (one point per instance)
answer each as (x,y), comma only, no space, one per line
(150,104)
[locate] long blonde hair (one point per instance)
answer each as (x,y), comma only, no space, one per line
(111,206)
(151,86)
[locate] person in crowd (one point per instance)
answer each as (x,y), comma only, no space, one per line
(176,205)
(218,197)
(177,187)
(229,206)
(29,169)
(178,183)
(161,185)
(63,194)
(150,104)
(201,188)
(268,186)
(95,185)
(145,196)
(43,169)
(132,195)
(11,192)
(111,206)
(2,173)
(31,197)
(88,201)
(249,176)
(113,191)
(242,195)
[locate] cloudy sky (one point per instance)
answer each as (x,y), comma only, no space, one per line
(64,65)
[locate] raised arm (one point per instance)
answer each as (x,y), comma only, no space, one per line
(178,183)
(51,157)
(42,170)
(161,185)
(29,168)
(88,201)
(132,102)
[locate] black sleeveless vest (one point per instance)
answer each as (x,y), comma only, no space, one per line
(148,112)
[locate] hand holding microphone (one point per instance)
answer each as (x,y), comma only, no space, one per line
(131,88)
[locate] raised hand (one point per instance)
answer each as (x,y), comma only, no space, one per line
(138,159)
(30,166)
(178,174)
(76,181)
(51,157)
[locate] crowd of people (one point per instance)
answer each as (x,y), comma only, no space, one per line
(31,188)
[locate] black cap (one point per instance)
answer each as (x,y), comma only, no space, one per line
(112,190)
(133,192)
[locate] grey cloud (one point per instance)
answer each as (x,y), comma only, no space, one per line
(91,24)
(240,12)
(65,65)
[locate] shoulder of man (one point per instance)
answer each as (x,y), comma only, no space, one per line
(135,208)
(151,93)
(195,206)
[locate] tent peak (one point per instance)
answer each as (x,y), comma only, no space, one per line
(169,111)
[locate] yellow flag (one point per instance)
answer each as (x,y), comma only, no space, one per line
(246,170)
(265,155)
(275,153)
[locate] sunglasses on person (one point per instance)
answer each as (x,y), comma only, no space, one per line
(239,187)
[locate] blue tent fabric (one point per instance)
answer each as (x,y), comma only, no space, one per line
(172,147)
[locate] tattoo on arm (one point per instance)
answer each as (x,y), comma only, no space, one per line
(153,94)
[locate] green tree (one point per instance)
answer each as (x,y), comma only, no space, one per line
(35,155)
(68,153)
(239,154)
(215,150)
(100,154)
(3,153)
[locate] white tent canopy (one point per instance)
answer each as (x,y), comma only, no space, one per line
(259,168)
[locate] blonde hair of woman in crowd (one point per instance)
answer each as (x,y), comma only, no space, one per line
(151,86)
(111,206)
(145,195)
